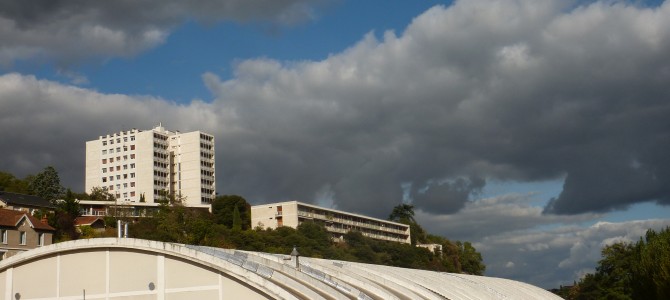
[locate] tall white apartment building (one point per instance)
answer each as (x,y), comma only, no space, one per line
(139,167)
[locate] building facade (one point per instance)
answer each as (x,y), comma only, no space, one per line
(338,223)
(141,167)
(20,231)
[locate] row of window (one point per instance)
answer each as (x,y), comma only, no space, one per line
(118,186)
(118,158)
(206,173)
(160,137)
(118,140)
(206,191)
(118,149)
(206,155)
(118,177)
(160,155)
(160,174)
(160,146)
(160,164)
(205,137)
(22,238)
(206,146)
(118,168)
(206,182)
(206,164)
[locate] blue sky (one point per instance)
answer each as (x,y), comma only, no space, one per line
(535,129)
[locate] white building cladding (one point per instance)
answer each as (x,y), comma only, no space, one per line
(118,269)
(136,165)
(337,222)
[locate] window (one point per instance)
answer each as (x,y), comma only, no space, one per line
(111,178)
(125,148)
(104,179)
(132,166)
(111,187)
(118,177)
(111,150)
(132,137)
(104,151)
(132,184)
(125,167)
(22,238)
(111,159)
(104,143)
(125,157)
(125,138)
(40,239)
(118,168)
(104,170)
(118,186)
(125,176)
(132,156)
(104,161)
(132,147)
(132,194)
(118,140)
(118,149)
(4,236)
(111,142)
(125,185)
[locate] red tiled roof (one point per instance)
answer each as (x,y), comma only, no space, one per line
(11,218)
(87,220)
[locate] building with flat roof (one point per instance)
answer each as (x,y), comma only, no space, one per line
(140,167)
(337,222)
(120,268)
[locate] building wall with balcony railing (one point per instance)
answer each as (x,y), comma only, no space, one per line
(293,213)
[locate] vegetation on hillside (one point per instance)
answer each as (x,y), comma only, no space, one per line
(628,271)
(229,226)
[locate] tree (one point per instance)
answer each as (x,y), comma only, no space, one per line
(402,213)
(9,183)
(101,194)
(46,184)
(471,260)
(223,209)
(67,210)
(237,221)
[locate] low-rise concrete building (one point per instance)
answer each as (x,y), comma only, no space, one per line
(337,222)
(117,268)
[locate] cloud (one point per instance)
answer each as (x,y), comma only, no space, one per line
(518,242)
(72,30)
(480,90)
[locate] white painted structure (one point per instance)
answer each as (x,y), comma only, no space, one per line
(337,222)
(117,269)
(136,165)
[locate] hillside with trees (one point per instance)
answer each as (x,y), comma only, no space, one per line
(638,270)
(229,226)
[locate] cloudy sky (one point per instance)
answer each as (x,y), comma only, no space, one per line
(537,129)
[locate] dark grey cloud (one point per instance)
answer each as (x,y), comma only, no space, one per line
(481,90)
(73,30)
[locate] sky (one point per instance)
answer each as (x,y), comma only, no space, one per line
(535,129)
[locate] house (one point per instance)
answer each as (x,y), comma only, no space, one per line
(20,231)
(26,203)
(97,223)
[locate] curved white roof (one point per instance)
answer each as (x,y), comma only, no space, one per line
(275,276)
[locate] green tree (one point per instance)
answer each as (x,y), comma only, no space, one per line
(9,183)
(223,209)
(404,213)
(46,184)
(471,260)
(67,210)
(101,194)
(237,220)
